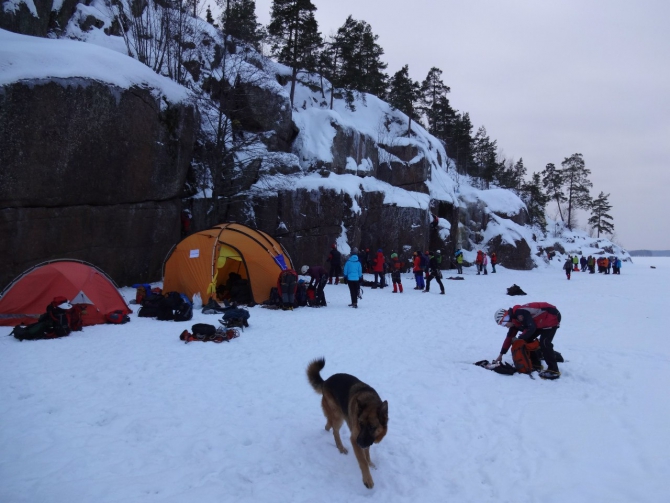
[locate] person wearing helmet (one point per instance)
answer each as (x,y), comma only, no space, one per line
(335,260)
(531,321)
(354,274)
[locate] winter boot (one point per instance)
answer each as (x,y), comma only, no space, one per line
(549,374)
(395,288)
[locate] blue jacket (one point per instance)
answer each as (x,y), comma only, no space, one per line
(352,269)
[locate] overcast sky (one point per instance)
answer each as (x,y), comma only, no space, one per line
(547,79)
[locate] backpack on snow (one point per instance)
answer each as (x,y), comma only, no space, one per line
(515,290)
(34,331)
(203,329)
(117,317)
(521,355)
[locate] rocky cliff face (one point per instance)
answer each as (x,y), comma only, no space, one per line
(98,172)
(90,171)
(40,22)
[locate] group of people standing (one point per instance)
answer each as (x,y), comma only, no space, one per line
(583,264)
(482,261)
(426,266)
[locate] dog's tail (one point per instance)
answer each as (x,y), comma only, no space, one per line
(313,374)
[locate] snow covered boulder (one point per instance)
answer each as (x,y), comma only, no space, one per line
(96,149)
(512,256)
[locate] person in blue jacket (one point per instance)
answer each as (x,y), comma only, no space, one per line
(354,273)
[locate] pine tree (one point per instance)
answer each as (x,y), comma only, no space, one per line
(434,100)
(460,142)
(600,219)
(485,154)
(404,95)
(517,174)
(552,181)
(576,182)
(240,22)
(441,119)
(352,60)
(208,16)
(295,36)
(536,201)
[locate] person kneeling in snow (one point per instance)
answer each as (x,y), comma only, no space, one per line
(537,319)
(318,279)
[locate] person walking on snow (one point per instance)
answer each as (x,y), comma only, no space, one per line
(575,263)
(396,269)
(568,267)
(485,262)
(434,272)
(494,261)
(533,320)
(335,259)
(354,274)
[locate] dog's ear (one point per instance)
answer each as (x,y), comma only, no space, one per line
(384,411)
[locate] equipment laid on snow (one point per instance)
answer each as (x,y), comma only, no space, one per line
(203,332)
(497,367)
(515,290)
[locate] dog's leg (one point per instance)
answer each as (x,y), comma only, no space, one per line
(334,421)
(338,441)
(367,457)
(362,459)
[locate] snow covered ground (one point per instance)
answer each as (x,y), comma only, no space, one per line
(131,414)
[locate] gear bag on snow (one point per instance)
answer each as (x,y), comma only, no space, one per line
(521,355)
(499,368)
(515,290)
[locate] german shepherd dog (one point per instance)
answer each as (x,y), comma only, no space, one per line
(346,398)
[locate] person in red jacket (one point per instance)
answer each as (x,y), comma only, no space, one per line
(479,261)
(533,320)
(494,261)
(379,264)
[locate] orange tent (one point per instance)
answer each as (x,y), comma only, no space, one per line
(27,297)
(204,261)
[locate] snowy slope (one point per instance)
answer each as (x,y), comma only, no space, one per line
(23,57)
(129,413)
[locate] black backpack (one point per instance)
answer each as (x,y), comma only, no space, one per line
(203,329)
(39,330)
(184,312)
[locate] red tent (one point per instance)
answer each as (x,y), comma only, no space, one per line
(27,297)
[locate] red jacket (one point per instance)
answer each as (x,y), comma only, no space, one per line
(379,263)
(417,264)
(530,318)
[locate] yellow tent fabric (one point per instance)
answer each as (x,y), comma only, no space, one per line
(205,259)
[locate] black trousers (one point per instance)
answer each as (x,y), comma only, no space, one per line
(437,278)
(354,286)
